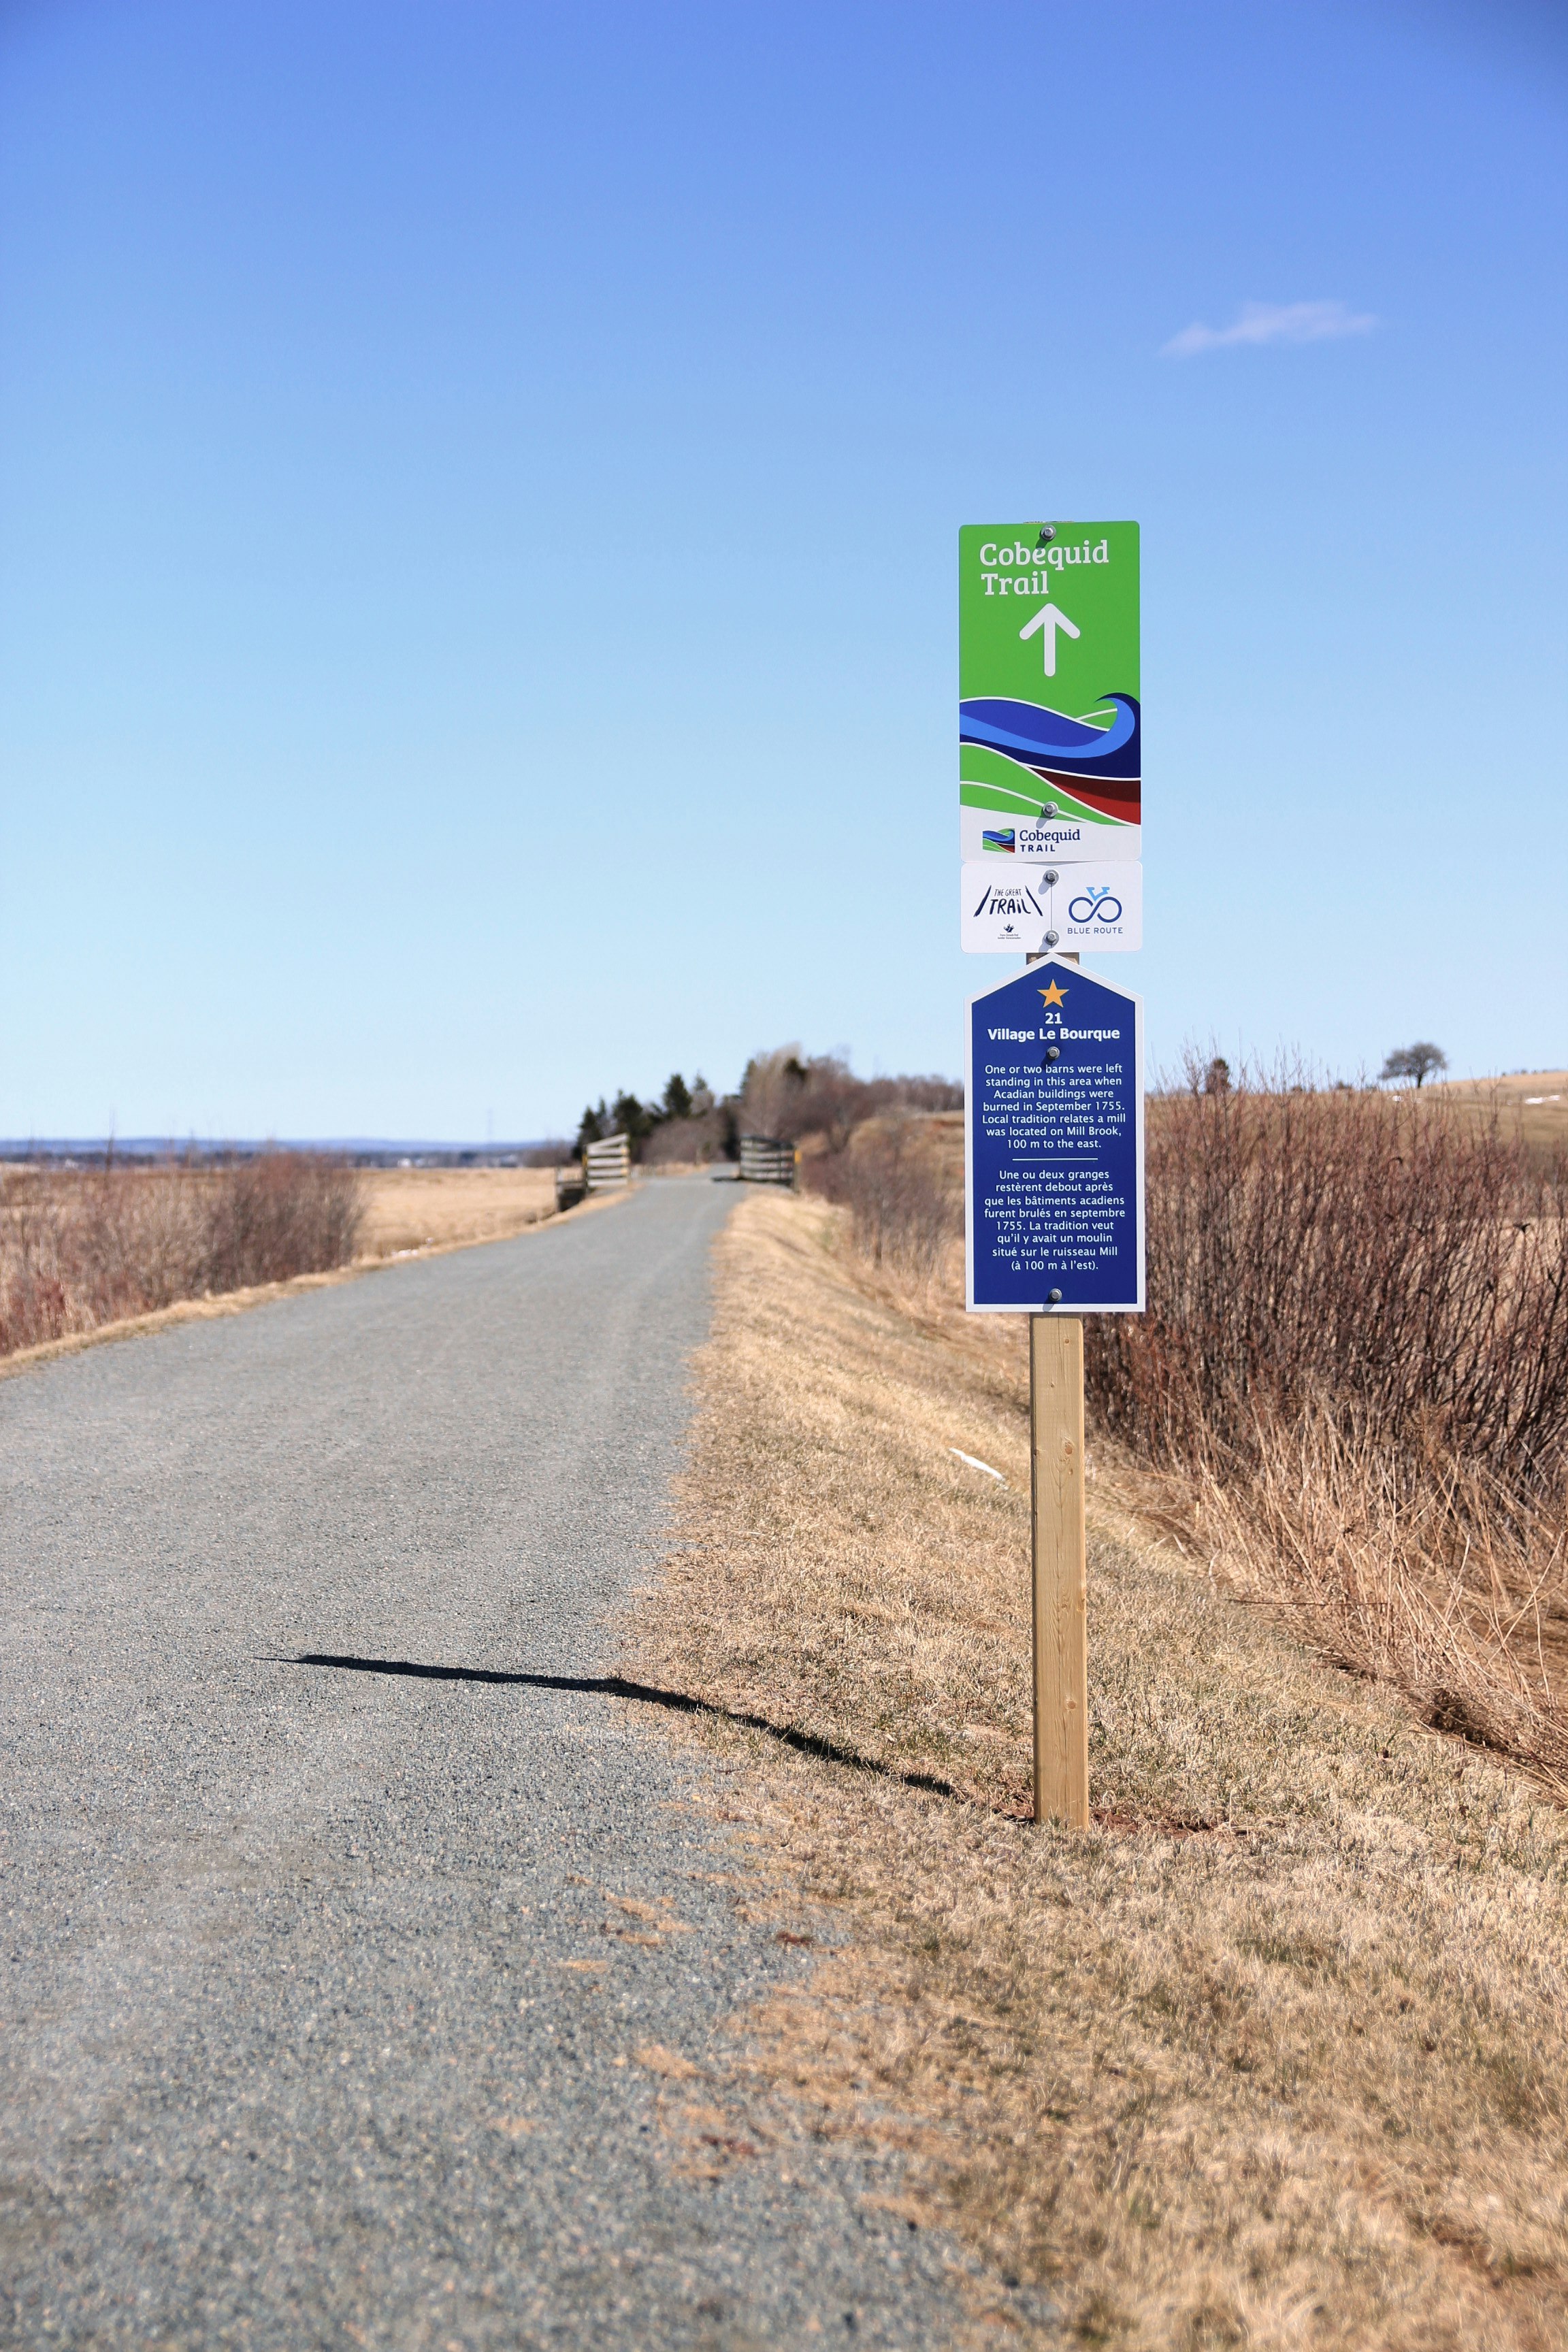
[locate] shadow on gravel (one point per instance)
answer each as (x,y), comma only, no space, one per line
(647,1694)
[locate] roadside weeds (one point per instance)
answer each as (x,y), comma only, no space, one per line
(1276,2055)
(240,1302)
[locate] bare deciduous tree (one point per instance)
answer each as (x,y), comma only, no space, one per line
(1415,1062)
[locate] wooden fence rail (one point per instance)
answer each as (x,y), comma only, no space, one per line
(765,1160)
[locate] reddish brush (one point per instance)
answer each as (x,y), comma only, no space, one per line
(81,1249)
(1350,1249)
(1351,1381)
(897,1183)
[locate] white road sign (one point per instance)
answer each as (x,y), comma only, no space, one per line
(1016,905)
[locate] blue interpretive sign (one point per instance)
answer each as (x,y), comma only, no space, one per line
(1054,1145)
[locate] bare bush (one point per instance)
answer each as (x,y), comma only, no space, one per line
(1352,1381)
(701,1137)
(277,1215)
(897,1183)
(1350,1390)
(1343,1247)
(88,1247)
(785,1095)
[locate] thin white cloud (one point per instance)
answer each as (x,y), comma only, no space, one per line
(1273,322)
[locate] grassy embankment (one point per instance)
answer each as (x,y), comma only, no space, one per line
(1278,2052)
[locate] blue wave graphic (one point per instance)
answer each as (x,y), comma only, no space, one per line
(1027,732)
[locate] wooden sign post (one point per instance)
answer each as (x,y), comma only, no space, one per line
(1059,1557)
(1060,1564)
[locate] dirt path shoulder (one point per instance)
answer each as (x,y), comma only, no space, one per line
(1276,2053)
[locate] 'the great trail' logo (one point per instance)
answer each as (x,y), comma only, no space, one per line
(1015,900)
(1010,899)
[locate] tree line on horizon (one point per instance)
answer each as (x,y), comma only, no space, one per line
(784,1094)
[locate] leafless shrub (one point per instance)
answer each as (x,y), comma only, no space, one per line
(700,1137)
(277,1215)
(1350,1390)
(88,1247)
(896,1184)
(1340,1247)
(791,1095)
(1352,1381)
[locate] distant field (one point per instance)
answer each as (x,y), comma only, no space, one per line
(419,1208)
(1534,1105)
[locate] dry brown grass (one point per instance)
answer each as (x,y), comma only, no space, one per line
(1428,1575)
(1533,1107)
(409,1209)
(1276,2055)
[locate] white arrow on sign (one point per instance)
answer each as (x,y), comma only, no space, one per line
(1048,620)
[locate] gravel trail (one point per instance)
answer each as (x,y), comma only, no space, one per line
(322,1988)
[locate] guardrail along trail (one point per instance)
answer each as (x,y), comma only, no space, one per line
(326,1975)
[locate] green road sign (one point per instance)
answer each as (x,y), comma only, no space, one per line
(1050,754)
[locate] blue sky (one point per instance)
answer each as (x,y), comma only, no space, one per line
(478,491)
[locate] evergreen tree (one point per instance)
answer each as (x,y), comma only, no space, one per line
(633,1118)
(593,1127)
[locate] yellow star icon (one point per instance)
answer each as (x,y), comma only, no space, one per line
(1054,995)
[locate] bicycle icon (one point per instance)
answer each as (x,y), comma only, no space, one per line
(1095,907)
